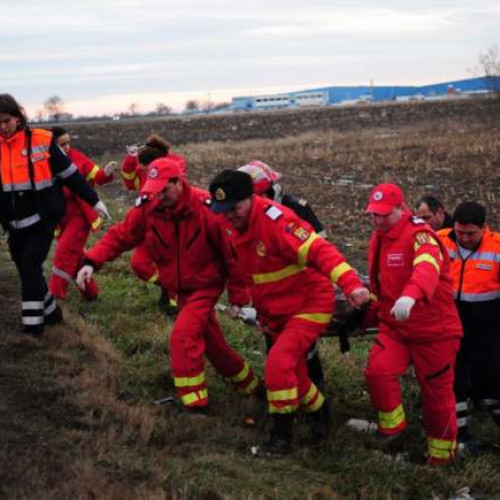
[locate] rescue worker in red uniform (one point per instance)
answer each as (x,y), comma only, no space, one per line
(32,168)
(289,270)
(194,262)
(474,251)
(266,183)
(418,323)
(74,229)
(133,170)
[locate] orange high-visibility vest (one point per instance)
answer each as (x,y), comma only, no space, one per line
(15,167)
(476,278)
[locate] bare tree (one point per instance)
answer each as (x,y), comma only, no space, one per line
(192,105)
(132,109)
(163,109)
(54,107)
(489,62)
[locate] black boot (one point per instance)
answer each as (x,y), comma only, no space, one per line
(320,422)
(314,368)
(280,441)
(55,317)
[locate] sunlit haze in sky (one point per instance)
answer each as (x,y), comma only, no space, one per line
(100,56)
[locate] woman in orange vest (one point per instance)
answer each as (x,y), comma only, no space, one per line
(74,229)
(32,169)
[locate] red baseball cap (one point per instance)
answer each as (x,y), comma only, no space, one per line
(384,198)
(159,172)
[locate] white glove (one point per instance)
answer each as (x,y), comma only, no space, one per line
(110,168)
(248,315)
(359,296)
(402,308)
(84,276)
(101,209)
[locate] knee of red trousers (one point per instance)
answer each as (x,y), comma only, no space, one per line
(186,352)
(384,391)
(58,286)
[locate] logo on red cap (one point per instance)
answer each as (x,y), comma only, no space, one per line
(152,173)
(378,195)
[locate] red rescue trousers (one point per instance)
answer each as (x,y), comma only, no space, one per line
(197,333)
(75,230)
(286,375)
(142,264)
(434,362)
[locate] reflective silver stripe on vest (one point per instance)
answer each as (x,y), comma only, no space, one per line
(33,304)
(26,222)
(492,256)
(26,186)
(478,297)
(44,184)
(62,274)
(33,320)
(461,406)
(39,149)
(462,421)
(67,172)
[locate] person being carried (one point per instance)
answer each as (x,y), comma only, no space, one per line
(474,250)
(194,262)
(32,204)
(418,323)
(289,270)
(79,219)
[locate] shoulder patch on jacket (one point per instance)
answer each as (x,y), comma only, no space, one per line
(416,220)
(298,231)
(273,212)
(423,238)
(140,200)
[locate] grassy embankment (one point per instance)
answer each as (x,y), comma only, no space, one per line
(210,458)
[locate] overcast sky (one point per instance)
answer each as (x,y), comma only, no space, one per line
(101,55)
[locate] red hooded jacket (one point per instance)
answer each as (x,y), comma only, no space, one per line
(186,242)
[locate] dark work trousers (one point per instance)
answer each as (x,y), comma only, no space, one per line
(29,248)
(477,369)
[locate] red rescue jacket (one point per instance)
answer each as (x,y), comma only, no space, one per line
(287,263)
(94,175)
(186,242)
(410,260)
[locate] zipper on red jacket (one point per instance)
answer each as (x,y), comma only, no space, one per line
(177,257)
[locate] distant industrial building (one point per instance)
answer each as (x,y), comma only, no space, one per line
(333,96)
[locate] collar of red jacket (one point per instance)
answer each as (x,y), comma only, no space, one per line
(395,232)
(182,207)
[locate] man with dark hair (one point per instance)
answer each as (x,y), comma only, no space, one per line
(475,267)
(430,209)
(289,270)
